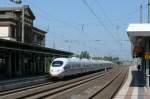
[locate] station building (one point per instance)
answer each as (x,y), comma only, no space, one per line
(22,46)
(139,35)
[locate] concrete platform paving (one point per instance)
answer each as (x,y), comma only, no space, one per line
(134,87)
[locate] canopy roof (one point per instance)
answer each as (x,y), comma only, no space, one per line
(138,29)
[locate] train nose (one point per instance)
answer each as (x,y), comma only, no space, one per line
(55,72)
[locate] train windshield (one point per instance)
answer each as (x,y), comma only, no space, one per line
(57,63)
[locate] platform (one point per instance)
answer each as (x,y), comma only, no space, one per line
(134,87)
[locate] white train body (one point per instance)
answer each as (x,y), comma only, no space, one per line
(61,67)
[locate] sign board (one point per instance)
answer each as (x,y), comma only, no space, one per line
(147,55)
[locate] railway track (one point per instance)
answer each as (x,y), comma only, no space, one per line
(26,91)
(65,89)
(6,85)
(102,87)
(110,89)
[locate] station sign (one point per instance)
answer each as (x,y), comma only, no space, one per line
(147,55)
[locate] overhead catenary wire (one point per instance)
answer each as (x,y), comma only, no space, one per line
(82,26)
(44,14)
(116,29)
(47,18)
(118,42)
(108,19)
(130,14)
(60,21)
(51,18)
(104,13)
(99,21)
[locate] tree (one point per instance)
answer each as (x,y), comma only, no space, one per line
(97,58)
(84,54)
(109,58)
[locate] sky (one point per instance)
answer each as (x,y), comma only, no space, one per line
(96,26)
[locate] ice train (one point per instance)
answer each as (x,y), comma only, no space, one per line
(61,67)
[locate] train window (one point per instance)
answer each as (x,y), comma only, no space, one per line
(57,63)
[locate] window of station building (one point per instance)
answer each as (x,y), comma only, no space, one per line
(25,19)
(28,20)
(35,38)
(13,31)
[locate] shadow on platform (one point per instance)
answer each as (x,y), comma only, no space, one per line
(137,79)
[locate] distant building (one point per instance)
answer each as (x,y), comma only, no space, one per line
(11,19)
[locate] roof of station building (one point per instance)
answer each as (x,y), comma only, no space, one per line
(18,9)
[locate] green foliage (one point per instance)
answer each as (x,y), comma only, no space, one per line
(109,58)
(49,60)
(84,54)
(76,56)
(97,58)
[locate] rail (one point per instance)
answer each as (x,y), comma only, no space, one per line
(79,87)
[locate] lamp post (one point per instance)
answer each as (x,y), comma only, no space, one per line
(148,11)
(16,1)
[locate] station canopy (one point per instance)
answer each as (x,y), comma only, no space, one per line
(138,29)
(137,34)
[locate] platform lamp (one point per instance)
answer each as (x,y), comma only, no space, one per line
(16,1)
(148,11)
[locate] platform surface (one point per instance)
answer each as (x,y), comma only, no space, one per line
(134,87)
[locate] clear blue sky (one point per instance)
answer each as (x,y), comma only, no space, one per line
(72,26)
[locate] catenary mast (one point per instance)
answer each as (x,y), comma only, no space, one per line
(148,11)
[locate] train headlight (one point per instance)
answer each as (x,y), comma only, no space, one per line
(58,70)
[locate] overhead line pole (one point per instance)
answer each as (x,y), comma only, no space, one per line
(148,11)
(16,1)
(141,13)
